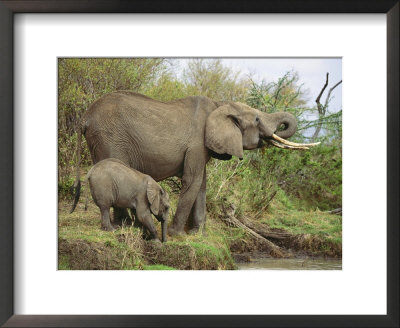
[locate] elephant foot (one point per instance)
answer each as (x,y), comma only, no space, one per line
(155,244)
(108,228)
(196,230)
(155,241)
(193,231)
(172,231)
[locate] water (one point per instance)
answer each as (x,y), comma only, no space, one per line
(291,264)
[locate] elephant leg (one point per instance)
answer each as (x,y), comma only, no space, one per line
(105,220)
(121,216)
(138,224)
(144,217)
(191,182)
(197,219)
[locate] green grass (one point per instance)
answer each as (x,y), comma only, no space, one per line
(317,223)
(63,262)
(157,267)
(83,245)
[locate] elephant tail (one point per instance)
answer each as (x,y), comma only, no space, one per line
(76,196)
(87,192)
(77,184)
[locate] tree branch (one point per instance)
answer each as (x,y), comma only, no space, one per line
(229,218)
(329,93)
(322,91)
(322,109)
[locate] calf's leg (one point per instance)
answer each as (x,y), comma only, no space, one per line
(105,219)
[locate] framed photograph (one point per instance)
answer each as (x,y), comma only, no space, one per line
(92,90)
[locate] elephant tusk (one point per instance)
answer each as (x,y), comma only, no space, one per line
(279,145)
(293,144)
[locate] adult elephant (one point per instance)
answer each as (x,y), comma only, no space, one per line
(177,138)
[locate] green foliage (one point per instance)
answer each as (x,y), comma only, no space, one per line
(282,95)
(65,185)
(316,177)
(166,88)
(305,179)
(210,78)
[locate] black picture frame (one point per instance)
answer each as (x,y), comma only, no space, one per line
(7,11)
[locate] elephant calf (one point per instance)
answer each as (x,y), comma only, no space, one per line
(112,183)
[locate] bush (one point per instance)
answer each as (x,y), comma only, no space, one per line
(65,187)
(311,179)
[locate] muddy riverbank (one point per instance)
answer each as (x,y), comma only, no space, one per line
(257,261)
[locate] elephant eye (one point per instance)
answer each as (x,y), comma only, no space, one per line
(257,119)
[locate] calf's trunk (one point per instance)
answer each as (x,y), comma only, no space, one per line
(164,231)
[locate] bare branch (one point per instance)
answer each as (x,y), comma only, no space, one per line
(321,110)
(329,93)
(322,91)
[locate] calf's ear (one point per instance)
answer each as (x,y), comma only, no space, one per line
(153,196)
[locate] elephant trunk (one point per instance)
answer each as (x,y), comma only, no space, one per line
(271,124)
(164,231)
(282,119)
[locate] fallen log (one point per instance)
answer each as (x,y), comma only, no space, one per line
(264,231)
(231,220)
(335,211)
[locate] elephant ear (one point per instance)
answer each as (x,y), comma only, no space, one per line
(223,134)
(153,196)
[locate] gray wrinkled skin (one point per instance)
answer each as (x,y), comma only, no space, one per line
(177,138)
(112,183)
